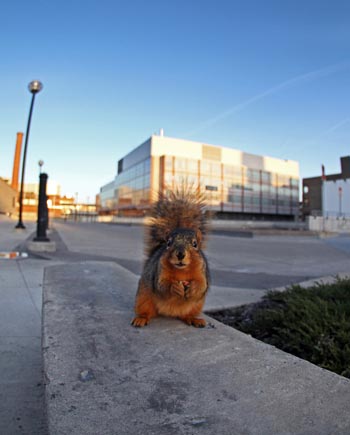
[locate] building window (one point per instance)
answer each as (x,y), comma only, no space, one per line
(120,166)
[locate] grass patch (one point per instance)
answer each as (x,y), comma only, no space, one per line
(313,324)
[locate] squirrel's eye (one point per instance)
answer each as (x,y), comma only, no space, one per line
(168,243)
(194,244)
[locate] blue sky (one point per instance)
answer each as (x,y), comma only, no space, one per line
(267,77)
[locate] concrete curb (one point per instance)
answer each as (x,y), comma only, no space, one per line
(221,298)
(246,229)
(48,246)
(330,279)
(105,377)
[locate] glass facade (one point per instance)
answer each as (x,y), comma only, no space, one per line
(231,188)
(176,171)
(107,197)
(132,186)
(242,188)
(130,189)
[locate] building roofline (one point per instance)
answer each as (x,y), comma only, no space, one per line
(161,137)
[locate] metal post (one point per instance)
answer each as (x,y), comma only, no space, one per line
(34,87)
(20,223)
(42,211)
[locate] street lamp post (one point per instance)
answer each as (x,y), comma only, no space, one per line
(40,163)
(34,87)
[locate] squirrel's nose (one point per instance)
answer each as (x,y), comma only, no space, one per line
(180,255)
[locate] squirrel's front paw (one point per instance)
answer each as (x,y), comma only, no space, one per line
(178,289)
(197,322)
(139,321)
(193,289)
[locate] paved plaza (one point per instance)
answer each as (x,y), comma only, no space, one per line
(242,270)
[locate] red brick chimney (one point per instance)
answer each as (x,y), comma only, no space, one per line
(16,161)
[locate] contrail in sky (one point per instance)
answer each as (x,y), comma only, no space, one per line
(303,78)
(336,126)
(329,130)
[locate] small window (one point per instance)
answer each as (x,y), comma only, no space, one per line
(120,166)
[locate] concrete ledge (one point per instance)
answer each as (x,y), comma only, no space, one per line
(105,377)
(41,246)
(242,228)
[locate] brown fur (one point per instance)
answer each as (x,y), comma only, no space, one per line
(175,277)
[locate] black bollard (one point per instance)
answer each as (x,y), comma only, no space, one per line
(42,211)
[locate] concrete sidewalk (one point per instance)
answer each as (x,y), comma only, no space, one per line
(21,386)
(21,389)
(105,377)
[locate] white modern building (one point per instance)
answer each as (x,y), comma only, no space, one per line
(234,182)
(336,198)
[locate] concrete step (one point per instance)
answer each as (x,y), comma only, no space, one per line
(105,377)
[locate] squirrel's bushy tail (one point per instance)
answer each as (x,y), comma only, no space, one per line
(183,208)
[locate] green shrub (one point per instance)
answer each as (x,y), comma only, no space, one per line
(313,324)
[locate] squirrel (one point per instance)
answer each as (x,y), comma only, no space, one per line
(175,277)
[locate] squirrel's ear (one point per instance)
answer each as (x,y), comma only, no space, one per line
(199,236)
